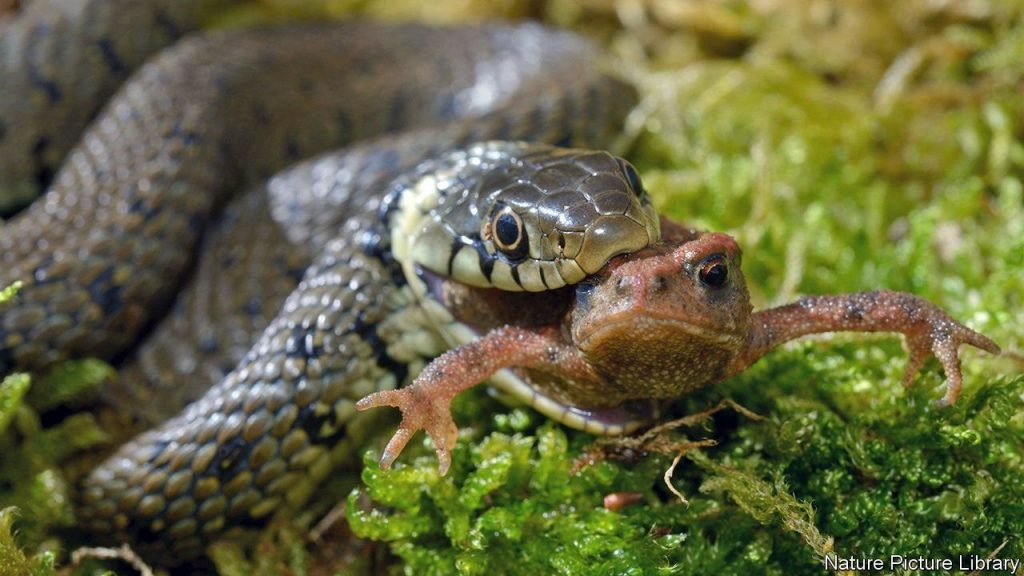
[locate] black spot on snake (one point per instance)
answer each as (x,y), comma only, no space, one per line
(379,347)
(209,345)
(229,459)
(36,76)
(166,24)
(110,56)
(43,174)
(253,307)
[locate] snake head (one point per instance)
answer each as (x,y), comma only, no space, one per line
(522,217)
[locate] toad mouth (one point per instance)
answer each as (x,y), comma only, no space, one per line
(633,324)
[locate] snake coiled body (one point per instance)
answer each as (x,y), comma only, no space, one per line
(286,297)
(61,61)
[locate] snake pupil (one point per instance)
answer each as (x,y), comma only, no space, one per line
(714,272)
(507,229)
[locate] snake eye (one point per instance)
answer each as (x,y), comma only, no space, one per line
(714,271)
(508,233)
(632,178)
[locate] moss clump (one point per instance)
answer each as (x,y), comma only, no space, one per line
(13,561)
(510,504)
(12,391)
(8,292)
(775,496)
(34,490)
(888,473)
(280,549)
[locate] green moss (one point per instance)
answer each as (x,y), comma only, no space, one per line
(32,479)
(13,561)
(70,381)
(12,391)
(8,292)
(893,477)
(280,549)
(509,504)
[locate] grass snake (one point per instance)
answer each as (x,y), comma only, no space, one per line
(276,304)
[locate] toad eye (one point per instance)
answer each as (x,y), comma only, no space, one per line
(508,233)
(714,271)
(583,291)
(632,178)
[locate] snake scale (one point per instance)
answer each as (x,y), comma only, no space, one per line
(160,245)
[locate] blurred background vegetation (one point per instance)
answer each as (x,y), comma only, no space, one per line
(848,145)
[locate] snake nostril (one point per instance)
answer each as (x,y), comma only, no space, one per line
(623,285)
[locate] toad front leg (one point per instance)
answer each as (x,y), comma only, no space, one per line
(928,329)
(426,403)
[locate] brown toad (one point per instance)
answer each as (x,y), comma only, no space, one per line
(656,324)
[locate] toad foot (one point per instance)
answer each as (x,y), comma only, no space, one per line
(426,402)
